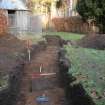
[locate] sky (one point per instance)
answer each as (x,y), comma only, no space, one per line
(12,4)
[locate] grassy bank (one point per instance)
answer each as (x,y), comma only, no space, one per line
(67,35)
(34,38)
(88,67)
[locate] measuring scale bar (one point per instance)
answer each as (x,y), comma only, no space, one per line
(36,75)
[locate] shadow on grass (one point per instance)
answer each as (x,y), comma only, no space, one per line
(75,94)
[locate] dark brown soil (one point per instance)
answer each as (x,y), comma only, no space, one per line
(12,55)
(96,41)
(11,52)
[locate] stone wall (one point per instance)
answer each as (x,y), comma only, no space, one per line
(3,22)
(70,24)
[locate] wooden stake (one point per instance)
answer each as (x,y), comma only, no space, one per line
(40,68)
(29,55)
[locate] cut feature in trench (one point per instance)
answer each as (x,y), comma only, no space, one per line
(58,87)
(41,79)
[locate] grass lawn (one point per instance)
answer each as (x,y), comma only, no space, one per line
(32,37)
(88,66)
(66,35)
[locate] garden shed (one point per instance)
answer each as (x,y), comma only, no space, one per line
(17,15)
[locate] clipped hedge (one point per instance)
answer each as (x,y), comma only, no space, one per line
(70,24)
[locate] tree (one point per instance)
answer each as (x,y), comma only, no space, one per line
(94,10)
(35,5)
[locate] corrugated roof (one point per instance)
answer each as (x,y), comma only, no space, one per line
(12,4)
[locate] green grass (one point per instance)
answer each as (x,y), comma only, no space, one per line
(3,82)
(66,35)
(88,66)
(32,37)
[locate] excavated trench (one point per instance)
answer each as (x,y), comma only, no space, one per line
(47,75)
(41,75)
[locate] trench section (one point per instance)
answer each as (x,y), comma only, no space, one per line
(46,63)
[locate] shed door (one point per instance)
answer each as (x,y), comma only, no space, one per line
(11,18)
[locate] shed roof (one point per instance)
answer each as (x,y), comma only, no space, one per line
(12,5)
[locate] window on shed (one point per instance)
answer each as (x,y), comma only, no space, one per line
(11,18)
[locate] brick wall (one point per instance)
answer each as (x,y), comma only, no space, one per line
(3,22)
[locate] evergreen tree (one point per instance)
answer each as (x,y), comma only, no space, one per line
(93,9)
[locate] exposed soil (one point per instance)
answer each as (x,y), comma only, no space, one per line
(96,41)
(11,52)
(34,85)
(11,62)
(50,60)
